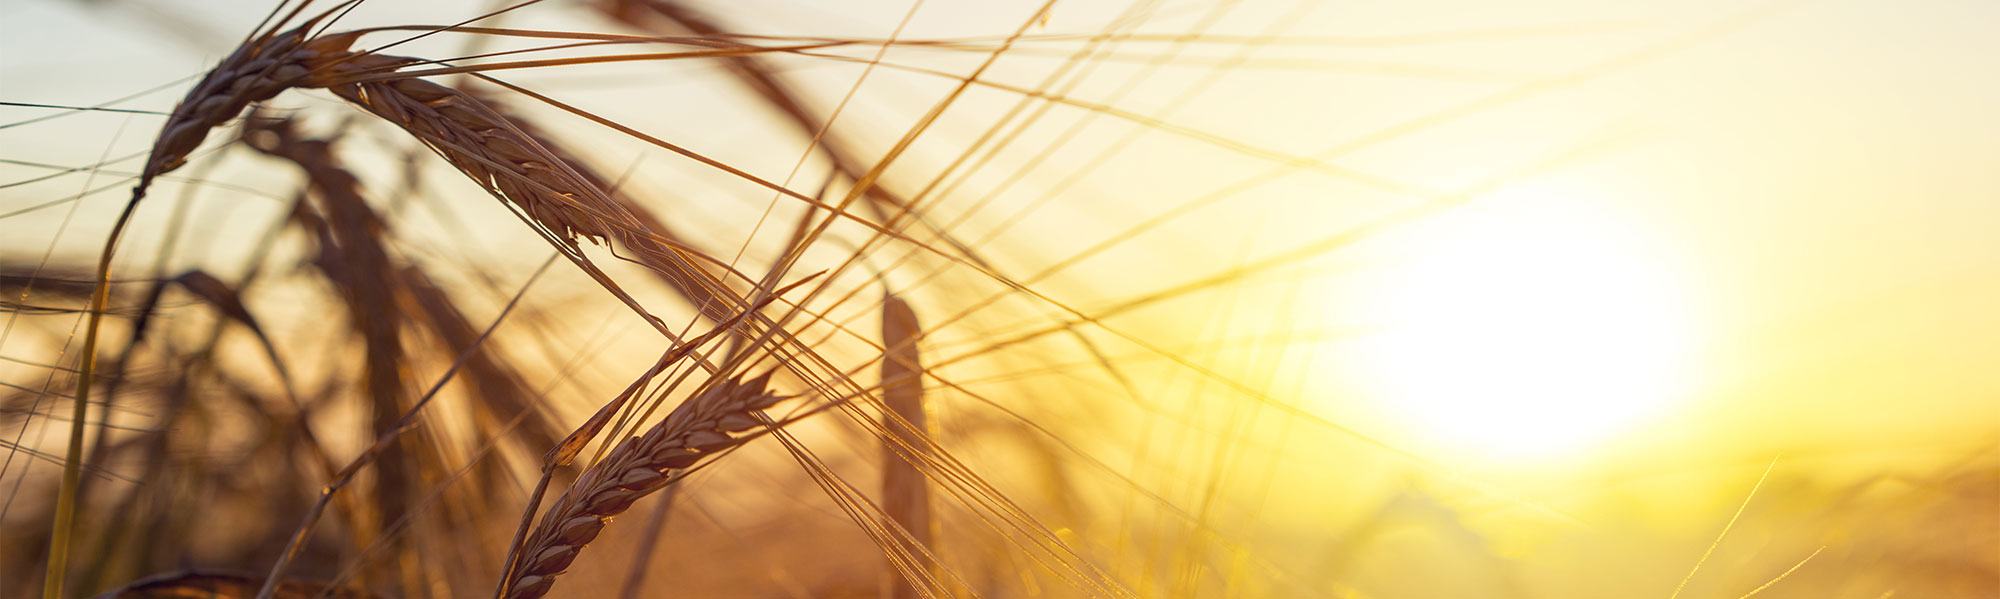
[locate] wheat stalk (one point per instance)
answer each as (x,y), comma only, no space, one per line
(261,68)
(641,465)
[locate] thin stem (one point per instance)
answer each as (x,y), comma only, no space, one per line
(65,525)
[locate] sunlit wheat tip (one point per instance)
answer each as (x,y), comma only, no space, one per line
(695,430)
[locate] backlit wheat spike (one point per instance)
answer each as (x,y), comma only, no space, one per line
(489,148)
(256,71)
(641,465)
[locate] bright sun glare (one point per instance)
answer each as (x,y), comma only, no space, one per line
(1528,324)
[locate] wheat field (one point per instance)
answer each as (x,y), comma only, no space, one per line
(1245,299)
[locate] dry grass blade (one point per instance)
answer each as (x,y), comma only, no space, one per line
(218,294)
(29,290)
(18,281)
(695,430)
(229,303)
(212,585)
(905,494)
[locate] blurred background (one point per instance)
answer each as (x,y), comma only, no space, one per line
(1217,299)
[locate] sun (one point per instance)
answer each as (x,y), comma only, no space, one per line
(1527,324)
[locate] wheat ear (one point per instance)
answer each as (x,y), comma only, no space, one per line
(494,152)
(905,494)
(697,429)
(255,72)
(654,244)
(486,146)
